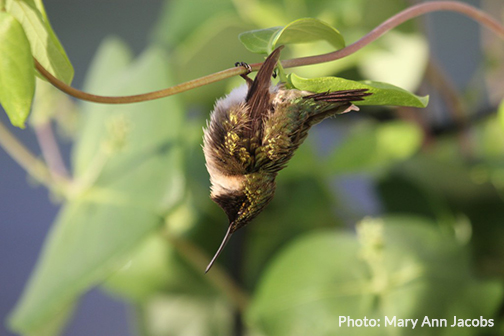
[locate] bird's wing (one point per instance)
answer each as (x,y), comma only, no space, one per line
(258,97)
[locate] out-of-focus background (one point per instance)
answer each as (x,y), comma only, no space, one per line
(463,79)
(27,211)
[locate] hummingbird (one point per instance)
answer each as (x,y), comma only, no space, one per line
(252,134)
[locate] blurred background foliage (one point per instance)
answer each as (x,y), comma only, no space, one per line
(394,212)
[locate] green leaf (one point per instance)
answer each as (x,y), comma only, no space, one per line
(124,187)
(144,272)
(17,75)
(45,46)
(382,93)
(397,266)
(57,324)
(312,278)
(299,31)
(258,41)
(307,30)
(83,248)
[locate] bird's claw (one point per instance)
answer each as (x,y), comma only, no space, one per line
(245,65)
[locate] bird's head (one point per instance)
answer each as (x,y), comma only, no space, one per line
(242,198)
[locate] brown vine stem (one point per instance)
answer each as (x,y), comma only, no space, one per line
(139,97)
(407,14)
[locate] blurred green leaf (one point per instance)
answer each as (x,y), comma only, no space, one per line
(383,93)
(313,278)
(401,61)
(83,247)
(57,324)
(114,58)
(489,138)
(179,19)
(144,272)
(400,266)
(45,46)
(483,298)
(398,140)
(374,145)
(444,171)
(191,36)
(175,315)
(302,203)
(128,177)
(215,37)
(299,31)
(500,114)
(17,75)
(155,266)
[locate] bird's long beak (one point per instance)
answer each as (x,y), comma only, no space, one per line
(221,247)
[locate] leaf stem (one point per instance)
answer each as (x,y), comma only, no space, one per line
(26,159)
(438,79)
(50,150)
(139,320)
(407,14)
(217,276)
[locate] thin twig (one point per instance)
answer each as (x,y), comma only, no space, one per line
(50,150)
(407,14)
(438,79)
(33,166)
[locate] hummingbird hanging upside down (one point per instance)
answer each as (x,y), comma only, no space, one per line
(252,134)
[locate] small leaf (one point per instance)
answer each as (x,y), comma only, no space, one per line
(17,75)
(307,30)
(383,93)
(299,31)
(257,41)
(45,46)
